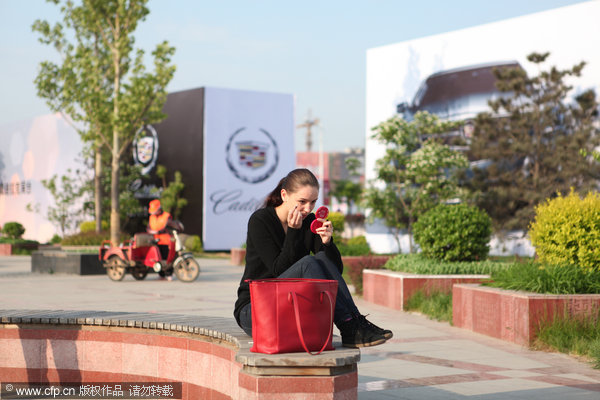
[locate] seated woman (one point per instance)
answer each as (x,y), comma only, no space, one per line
(279,244)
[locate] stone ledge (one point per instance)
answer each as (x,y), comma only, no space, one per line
(335,362)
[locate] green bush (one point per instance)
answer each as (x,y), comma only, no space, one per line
(358,241)
(566,230)
(55,239)
(90,226)
(194,244)
(338,221)
(419,264)
(356,246)
(454,233)
(551,279)
(17,241)
(90,239)
(13,230)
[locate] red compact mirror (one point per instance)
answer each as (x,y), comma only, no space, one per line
(316,224)
(321,213)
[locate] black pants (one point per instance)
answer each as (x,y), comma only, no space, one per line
(314,267)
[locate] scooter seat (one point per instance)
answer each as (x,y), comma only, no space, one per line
(143,240)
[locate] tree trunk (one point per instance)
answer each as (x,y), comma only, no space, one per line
(115,223)
(410,241)
(397,237)
(98,190)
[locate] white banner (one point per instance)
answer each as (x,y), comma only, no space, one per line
(248,148)
(32,151)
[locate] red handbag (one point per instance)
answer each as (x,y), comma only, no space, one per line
(292,314)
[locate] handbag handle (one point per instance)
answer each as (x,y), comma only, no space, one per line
(299,328)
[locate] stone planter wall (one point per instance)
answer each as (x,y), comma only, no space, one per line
(355,265)
(369,261)
(238,256)
(511,315)
(7,249)
(61,262)
(393,289)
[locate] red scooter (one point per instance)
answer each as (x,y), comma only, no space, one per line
(141,254)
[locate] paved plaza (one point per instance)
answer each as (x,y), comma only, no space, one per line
(424,360)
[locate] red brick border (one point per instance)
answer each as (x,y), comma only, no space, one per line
(393,289)
(511,315)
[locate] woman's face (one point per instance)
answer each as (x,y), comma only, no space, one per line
(305,198)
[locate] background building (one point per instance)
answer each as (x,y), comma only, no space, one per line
(445,74)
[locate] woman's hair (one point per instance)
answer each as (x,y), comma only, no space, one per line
(292,182)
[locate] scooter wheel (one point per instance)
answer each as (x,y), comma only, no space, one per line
(115,268)
(139,273)
(187,270)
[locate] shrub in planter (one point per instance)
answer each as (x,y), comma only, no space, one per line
(13,230)
(90,226)
(419,264)
(457,232)
(90,238)
(356,246)
(194,244)
(338,221)
(566,230)
(547,278)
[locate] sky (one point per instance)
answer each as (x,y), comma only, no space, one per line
(315,50)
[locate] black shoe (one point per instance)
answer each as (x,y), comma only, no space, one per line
(387,334)
(356,334)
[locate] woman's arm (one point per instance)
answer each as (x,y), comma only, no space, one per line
(333,253)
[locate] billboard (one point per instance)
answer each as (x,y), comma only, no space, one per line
(32,151)
(230,146)
(449,75)
(248,148)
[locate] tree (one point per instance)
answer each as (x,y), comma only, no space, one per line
(416,173)
(101,83)
(350,191)
(78,87)
(13,230)
(130,208)
(531,141)
(170,197)
(66,214)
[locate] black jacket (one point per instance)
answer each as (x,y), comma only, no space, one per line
(270,251)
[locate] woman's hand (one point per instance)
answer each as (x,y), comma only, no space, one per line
(325,231)
(294,219)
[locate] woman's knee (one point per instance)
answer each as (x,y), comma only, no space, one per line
(311,266)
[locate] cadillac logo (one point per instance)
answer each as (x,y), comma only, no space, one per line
(145,148)
(252,156)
